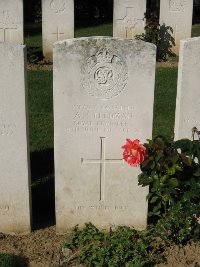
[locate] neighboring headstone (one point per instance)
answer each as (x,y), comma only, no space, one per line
(128,18)
(14,153)
(188,92)
(103,94)
(11,21)
(57,23)
(178,15)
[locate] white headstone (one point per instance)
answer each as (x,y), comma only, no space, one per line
(103,94)
(14,153)
(178,15)
(188,92)
(128,18)
(11,21)
(57,23)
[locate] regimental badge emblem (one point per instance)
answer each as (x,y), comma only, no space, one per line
(104,75)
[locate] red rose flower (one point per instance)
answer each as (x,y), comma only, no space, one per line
(134,153)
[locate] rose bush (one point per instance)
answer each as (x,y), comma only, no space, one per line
(171,169)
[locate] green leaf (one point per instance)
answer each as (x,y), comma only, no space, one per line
(174,182)
(157,207)
(148,196)
(153,165)
(153,200)
(185,145)
(164,178)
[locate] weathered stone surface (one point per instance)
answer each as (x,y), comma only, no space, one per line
(11,21)
(178,15)
(14,155)
(188,92)
(128,18)
(103,94)
(57,23)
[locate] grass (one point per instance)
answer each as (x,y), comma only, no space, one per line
(165,101)
(34,37)
(7,260)
(40,103)
(196,30)
(40,98)
(41,117)
(11,260)
(99,30)
(40,84)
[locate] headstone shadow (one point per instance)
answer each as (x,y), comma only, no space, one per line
(21,261)
(43,199)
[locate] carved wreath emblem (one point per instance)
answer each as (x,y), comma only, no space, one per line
(58,5)
(104,75)
(177,5)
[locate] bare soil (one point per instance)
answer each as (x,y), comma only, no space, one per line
(167,64)
(43,248)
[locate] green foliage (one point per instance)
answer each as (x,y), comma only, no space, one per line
(122,247)
(177,226)
(7,260)
(160,35)
(172,171)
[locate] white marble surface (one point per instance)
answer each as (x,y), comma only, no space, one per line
(178,15)
(103,94)
(11,21)
(15,214)
(57,23)
(128,18)
(188,92)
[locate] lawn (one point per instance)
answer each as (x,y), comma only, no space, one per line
(33,34)
(196,30)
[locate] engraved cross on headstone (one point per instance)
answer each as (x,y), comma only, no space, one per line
(4,28)
(129,21)
(102,161)
(58,33)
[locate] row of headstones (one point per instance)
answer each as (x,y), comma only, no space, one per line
(58,20)
(103,94)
